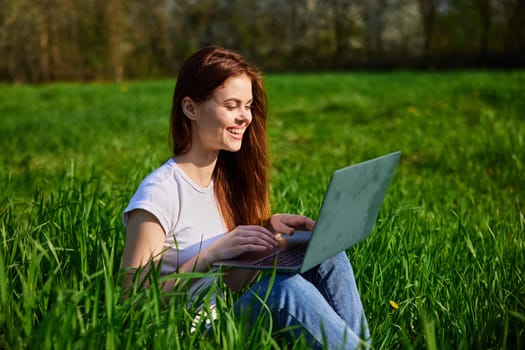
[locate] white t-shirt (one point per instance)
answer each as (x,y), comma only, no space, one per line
(188,213)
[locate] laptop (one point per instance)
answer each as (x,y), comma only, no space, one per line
(347,216)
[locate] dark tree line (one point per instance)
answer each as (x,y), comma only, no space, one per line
(48,40)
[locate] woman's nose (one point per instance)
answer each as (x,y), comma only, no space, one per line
(245,115)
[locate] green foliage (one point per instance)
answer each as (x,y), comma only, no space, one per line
(133,39)
(447,248)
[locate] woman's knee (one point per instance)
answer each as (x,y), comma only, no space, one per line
(338,263)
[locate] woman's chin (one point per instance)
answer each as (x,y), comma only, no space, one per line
(233,148)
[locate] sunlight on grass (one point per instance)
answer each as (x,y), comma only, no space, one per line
(443,269)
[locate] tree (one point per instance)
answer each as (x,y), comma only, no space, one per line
(428,10)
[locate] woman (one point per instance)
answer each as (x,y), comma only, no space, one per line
(211,202)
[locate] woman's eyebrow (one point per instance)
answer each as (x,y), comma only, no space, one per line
(236,100)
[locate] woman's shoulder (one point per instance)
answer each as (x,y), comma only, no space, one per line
(164,173)
(157,194)
(160,183)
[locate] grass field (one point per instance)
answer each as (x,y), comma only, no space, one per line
(448,246)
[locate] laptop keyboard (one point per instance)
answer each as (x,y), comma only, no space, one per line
(288,257)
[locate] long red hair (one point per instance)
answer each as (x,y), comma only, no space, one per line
(240,178)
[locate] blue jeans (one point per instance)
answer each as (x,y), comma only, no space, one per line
(322,305)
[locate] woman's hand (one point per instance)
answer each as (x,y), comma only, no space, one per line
(289,223)
(242,239)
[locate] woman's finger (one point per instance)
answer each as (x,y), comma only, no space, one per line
(257,231)
(281,227)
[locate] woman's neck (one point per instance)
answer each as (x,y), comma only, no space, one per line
(199,167)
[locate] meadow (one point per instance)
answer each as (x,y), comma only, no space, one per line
(443,269)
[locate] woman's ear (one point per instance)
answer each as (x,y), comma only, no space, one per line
(189,108)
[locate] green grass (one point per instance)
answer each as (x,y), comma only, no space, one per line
(448,246)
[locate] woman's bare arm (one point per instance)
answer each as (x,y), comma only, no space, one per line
(145,239)
(144,243)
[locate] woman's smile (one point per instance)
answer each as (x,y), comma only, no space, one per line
(236,132)
(221,120)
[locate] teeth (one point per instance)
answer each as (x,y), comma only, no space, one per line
(235,131)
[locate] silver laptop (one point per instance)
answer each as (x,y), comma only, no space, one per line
(347,216)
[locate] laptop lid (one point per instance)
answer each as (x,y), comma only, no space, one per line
(350,207)
(348,214)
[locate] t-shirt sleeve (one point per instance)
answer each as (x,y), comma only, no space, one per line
(158,197)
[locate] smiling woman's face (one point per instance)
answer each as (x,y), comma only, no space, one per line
(220,121)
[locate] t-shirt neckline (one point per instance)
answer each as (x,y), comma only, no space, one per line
(189,180)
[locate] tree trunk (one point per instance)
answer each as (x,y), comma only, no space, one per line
(115,25)
(427,9)
(485,16)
